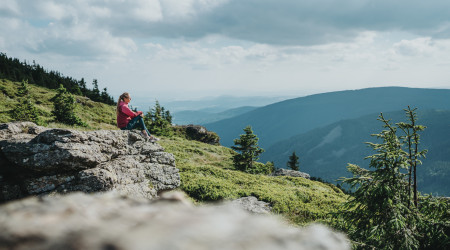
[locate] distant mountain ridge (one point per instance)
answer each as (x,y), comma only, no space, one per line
(325,152)
(282,120)
(201,117)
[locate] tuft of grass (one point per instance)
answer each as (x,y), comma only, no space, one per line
(208,175)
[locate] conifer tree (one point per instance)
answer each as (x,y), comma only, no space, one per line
(379,213)
(25,110)
(64,108)
(412,139)
(293,162)
(248,150)
(24,89)
(159,121)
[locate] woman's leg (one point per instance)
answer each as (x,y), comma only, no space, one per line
(139,123)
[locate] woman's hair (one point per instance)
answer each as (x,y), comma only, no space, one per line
(121,98)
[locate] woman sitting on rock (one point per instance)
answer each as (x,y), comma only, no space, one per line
(128,120)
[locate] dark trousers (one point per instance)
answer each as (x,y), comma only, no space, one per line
(137,122)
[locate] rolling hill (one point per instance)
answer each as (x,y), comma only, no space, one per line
(282,120)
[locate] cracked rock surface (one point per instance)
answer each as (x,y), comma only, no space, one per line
(35,160)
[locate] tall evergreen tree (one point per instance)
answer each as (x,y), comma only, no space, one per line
(293,162)
(412,139)
(248,150)
(379,214)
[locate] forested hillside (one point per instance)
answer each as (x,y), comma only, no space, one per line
(325,152)
(14,70)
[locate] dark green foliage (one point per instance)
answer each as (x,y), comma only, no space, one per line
(261,168)
(248,150)
(159,121)
(14,70)
(64,108)
(380,214)
(25,110)
(24,90)
(435,224)
(293,162)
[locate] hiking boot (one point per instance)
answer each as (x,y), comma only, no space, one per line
(153,139)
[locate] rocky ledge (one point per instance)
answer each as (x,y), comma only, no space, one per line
(288,172)
(35,160)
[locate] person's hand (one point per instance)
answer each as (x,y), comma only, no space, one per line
(142,114)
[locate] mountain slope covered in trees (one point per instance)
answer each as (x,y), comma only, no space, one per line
(14,70)
(325,152)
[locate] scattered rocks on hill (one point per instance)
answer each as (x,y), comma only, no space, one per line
(108,221)
(288,172)
(37,160)
(198,133)
(252,204)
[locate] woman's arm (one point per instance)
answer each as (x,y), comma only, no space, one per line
(126,110)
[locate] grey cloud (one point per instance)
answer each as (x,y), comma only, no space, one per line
(275,22)
(288,22)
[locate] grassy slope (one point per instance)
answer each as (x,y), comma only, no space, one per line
(96,115)
(207,171)
(207,174)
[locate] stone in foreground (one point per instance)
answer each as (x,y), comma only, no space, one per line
(109,221)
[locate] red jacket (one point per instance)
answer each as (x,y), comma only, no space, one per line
(125,115)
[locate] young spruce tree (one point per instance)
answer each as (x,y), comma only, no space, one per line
(159,121)
(379,213)
(247,145)
(25,110)
(293,162)
(64,108)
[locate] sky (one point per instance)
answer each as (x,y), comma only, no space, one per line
(189,49)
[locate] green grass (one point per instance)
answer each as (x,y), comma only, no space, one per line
(96,115)
(207,174)
(207,171)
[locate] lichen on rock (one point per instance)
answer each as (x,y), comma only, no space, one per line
(36,160)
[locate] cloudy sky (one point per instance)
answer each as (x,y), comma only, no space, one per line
(186,49)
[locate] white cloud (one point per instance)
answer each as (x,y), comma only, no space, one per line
(423,46)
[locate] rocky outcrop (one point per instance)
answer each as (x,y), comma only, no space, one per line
(252,204)
(198,133)
(36,160)
(288,172)
(109,221)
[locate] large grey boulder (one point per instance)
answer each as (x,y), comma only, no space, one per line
(108,221)
(288,172)
(36,160)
